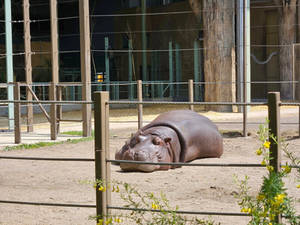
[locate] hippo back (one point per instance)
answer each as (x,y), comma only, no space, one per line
(193,130)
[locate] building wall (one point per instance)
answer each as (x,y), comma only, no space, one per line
(180,29)
(264,38)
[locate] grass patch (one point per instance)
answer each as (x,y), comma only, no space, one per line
(46,144)
(76,133)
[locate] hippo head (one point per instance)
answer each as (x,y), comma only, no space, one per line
(145,148)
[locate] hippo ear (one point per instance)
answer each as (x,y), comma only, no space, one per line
(140,132)
(168,139)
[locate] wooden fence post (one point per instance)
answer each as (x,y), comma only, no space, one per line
(53,113)
(191,94)
(17,113)
(102,168)
(59,107)
(274,127)
(140,106)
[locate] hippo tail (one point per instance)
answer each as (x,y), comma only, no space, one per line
(180,136)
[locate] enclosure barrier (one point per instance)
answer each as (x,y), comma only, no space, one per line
(102,161)
(55,116)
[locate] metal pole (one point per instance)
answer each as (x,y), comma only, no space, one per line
(85,53)
(246,69)
(28,66)
(191,94)
(102,168)
(140,106)
(17,113)
(274,126)
(196,70)
(240,50)
(178,68)
(9,63)
(144,40)
(171,79)
(131,90)
(107,75)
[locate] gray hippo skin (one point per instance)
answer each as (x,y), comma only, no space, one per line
(174,136)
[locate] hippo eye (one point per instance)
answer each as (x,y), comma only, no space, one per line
(156,141)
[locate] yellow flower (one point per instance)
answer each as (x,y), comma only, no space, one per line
(258,151)
(155,206)
(263,163)
(108,221)
(287,169)
(298,186)
(101,188)
(260,197)
(270,168)
(270,223)
(279,199)
(267,144)
(246,210)
(100,222)
(118,220)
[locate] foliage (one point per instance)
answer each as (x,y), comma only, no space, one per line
(272,199)
(147,207)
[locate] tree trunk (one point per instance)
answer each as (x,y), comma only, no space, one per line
(287,35)
(219,51)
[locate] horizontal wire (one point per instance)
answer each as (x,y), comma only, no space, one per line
(48,204)
(48,159)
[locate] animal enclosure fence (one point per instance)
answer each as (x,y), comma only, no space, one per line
(54,117)
(102,160)
(103,200)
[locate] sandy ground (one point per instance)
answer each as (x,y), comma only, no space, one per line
(191,188)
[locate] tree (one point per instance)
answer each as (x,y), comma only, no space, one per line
(287,36)
(219,49)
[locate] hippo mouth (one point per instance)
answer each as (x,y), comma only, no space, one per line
(141,156)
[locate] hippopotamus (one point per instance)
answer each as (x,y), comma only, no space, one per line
(174,136)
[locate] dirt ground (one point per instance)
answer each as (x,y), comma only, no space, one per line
(191,188)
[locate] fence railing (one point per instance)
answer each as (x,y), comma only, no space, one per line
(55,115)
(102,161)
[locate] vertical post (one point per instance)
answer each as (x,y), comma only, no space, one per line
(171,79)
(299,121)
(140,106)
(85,53)
(9,63)
(293,75)
(144,40)
(102,168)
(28,66)
(191,94)
(246,57)
(53,113)
(240,51)
(274,127)
(107,75)
(130,72)
(55,68)
(178,68)
(17,113)
(196,70)
(59,107)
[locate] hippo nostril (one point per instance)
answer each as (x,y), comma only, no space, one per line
(140,156)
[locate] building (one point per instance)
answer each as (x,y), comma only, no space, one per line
(178,31)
